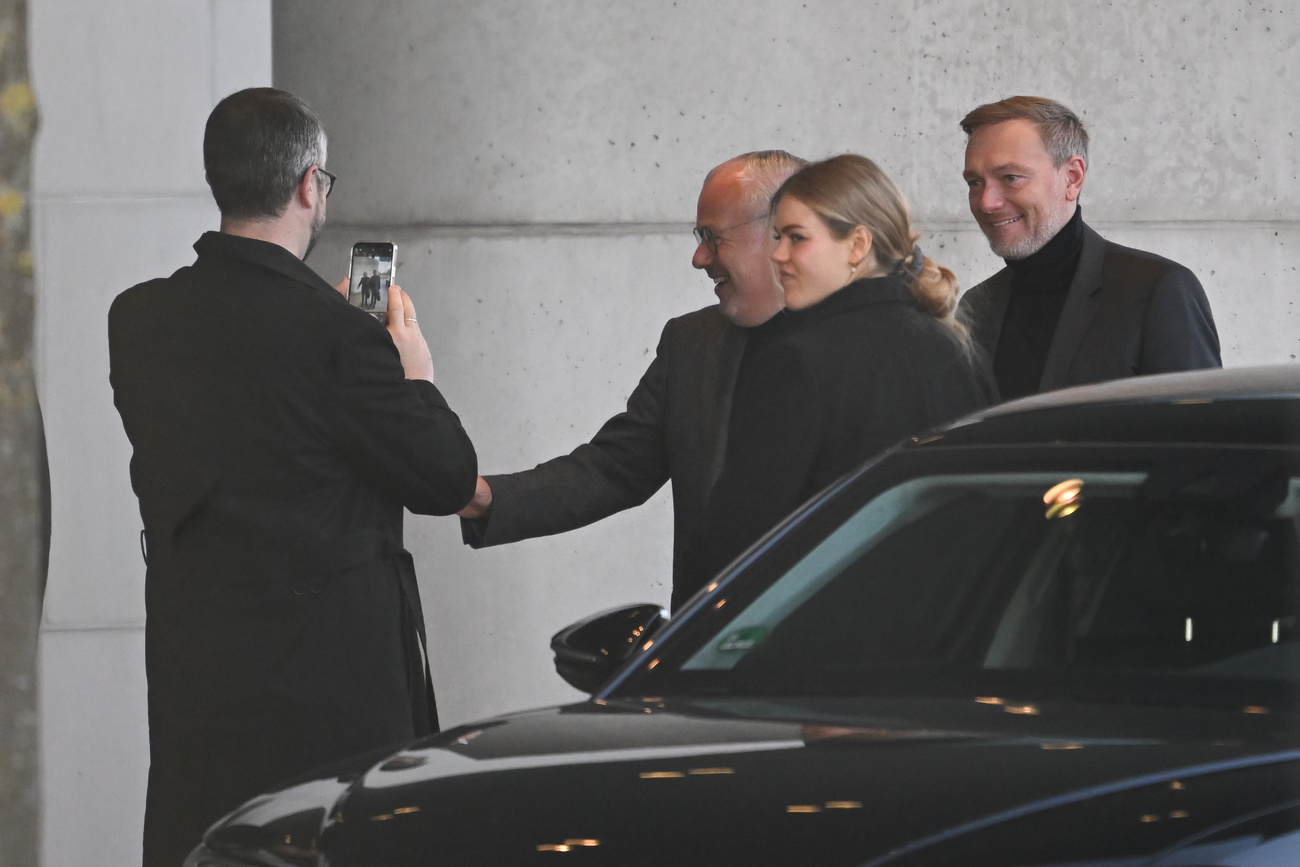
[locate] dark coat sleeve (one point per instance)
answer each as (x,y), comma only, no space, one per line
(1178,332)
(400,430)
(622,467)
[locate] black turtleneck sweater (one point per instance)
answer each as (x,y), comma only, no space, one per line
(757,339)
(1039,284)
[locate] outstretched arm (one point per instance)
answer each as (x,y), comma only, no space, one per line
(622,467)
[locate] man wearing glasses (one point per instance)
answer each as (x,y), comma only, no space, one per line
(278,432)
(675,425)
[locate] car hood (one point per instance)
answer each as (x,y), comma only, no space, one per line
(905,782)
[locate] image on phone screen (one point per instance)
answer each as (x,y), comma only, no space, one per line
(370,275)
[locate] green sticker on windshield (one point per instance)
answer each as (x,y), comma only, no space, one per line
(742,639)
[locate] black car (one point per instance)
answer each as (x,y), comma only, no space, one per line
(1062,631)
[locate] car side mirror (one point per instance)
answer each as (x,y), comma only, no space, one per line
(588,652)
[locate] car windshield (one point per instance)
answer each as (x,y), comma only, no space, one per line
(1181,563)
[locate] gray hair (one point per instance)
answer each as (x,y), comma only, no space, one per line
(257,146)
(761,174)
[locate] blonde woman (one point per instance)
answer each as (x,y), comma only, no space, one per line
(873,355)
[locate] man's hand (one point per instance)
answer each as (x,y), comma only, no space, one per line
(478,507)
(342,287)
(405,330)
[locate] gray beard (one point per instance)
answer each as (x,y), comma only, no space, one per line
(1030,244)
(311,242)
(317,225)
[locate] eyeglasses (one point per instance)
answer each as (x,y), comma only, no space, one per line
(330,178)
(709,238)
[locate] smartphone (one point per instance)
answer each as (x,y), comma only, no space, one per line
(372,271)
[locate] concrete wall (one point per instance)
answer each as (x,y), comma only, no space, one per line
(124,89)
(538,164)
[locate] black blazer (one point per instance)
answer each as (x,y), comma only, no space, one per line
(674,428)
(1127,313)
(857,373)
(276,441)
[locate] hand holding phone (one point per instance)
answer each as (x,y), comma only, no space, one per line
(371,272)
(404,328)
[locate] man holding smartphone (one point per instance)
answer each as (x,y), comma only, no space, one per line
(278,433)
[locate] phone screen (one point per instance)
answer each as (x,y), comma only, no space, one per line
(370,275)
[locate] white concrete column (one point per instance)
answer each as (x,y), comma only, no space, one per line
(124,89)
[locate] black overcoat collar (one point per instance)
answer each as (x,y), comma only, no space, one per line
(223,245)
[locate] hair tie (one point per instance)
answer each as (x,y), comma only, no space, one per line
(918,261)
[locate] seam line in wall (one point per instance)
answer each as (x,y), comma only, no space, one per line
(126,626)
(110,199)
(526,230)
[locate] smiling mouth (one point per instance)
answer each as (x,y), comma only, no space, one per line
(1001,223)
(719,280)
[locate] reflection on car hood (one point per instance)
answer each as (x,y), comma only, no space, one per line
(904,781)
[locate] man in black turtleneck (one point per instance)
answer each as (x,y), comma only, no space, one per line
(1070,307)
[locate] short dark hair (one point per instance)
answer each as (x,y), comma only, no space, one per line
(257,145)
(1063,134)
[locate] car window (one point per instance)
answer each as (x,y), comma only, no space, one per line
(861,559)
(1189,567)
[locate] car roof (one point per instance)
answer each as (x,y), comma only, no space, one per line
(1258,405)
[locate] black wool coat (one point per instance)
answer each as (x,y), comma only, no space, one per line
(276,442)
(858,372)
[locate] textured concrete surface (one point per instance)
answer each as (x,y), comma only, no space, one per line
(571,111)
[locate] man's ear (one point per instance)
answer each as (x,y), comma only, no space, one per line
(308,189)
(1075,169)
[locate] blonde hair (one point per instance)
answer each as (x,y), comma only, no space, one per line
(850,190)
